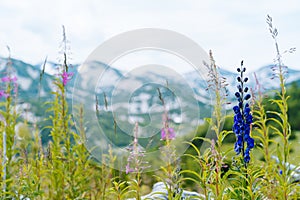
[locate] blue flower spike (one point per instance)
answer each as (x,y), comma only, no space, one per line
(242,118)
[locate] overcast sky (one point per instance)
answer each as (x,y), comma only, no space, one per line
(232,29)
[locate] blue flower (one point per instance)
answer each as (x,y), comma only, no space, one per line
(242,118)
(238,145)
(237,94)
(236,109)
(247,156)
(247,97)
(250,143)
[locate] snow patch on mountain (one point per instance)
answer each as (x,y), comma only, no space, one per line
(50,68)
(33,73)
(25,83)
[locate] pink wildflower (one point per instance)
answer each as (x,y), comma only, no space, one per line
(169,134)
(128,169)
(3,94)
(9,79)
(14,79)
(5,79)
(66,77)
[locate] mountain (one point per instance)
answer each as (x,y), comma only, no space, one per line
(30,85)
(126,97)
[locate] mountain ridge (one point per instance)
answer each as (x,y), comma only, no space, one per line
(186,96)
(188,87)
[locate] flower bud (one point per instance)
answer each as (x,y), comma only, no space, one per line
(237,94)
(248,96)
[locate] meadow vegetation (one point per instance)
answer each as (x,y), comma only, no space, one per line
(247,158)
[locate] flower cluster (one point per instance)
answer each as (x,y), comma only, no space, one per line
(242,118)
(8,80)
(66,77)
(135,163)
(3,94)
(167,134)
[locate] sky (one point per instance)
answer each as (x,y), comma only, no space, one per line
(234,30)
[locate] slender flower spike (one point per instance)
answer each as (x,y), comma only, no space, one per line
(9,80)
(128,169)
(3,94)
(66,77)
(6,79)
(242,118)
(135,163)
(167,133)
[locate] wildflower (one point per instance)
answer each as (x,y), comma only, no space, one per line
(167,133)
(128,169)
(14,79)
(6,79)
(242,118)
(66,77)
(136,155)
(3,94)
(15,88)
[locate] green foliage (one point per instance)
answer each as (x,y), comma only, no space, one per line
(294,92)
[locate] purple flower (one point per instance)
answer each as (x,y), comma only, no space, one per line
(15,88)
(169,134)
(6,79)
(128,169)
(3,94)
(136,155)
(66,77)
(14,79)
